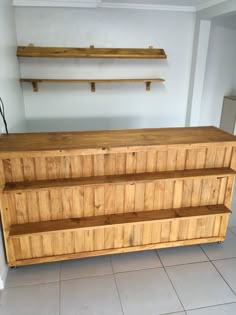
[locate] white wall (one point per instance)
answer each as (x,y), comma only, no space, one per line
(220,78)
(10,90)
(73,106)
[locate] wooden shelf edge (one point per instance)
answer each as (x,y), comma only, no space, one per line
(92,82)
(113,251)
(16,187)
(129,218)
(69,52)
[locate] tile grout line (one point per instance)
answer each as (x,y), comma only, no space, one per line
(231,230)
(170,281)
(229,258)
(219,272)
(223,278)
(210,306)
(114,277)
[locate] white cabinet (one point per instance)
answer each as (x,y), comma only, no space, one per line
(228,116)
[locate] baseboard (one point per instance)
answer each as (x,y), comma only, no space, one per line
(3,277)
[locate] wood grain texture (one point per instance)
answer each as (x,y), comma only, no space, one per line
(112,141)
(68,52)
(132,218)
(118,179)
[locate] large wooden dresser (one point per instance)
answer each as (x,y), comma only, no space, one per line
(78,194)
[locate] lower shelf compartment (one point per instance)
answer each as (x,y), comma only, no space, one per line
(115,219)
(116,233)
(47,259)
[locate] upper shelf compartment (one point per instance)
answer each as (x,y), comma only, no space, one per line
(64,52)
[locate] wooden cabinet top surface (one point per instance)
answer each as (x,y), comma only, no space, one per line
(105,140)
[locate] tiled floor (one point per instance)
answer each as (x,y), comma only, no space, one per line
(193,280)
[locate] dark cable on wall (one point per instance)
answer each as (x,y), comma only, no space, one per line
(2,113)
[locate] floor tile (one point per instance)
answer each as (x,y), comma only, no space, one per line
(233,229)
(135,261)
(227,269)
(226,249)
(86,267)
(25,275)
(200,285)
(181,255)
(39,299)
(147,292)
(228,309)
(90,296)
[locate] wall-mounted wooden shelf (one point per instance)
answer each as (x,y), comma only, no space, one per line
(91,82)
(64,52)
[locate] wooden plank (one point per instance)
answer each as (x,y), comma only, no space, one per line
(21,208)
(88,165)
(131,161)
(17,170)
(139,197)
(144,80)
(171,159)
(151,161)
(53,167)
(117,179)
(35,81)
(191,159)
(112,251)
(180,159)
(29,169)
(116,219)
(120,163)
(229,191)
(111,141)
(129,201)
(141,162)
(40,168)
(178,193)
(210,157)
(201,158)
(98,164)
(89,201)
(69,52)
(76,166)
(119,198)
(110,164)
(149,196)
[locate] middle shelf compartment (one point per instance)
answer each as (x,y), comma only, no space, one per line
(142,217)
(17,187)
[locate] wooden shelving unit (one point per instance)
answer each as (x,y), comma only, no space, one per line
(91,52)
(64,52)
(35,82)
(81,194)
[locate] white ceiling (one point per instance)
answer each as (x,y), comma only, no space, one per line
(228,21)
(175,5)
(191,3)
